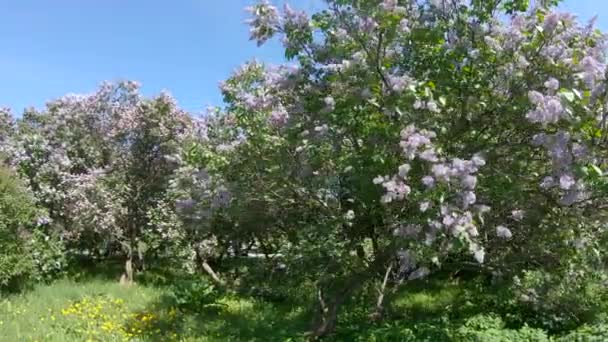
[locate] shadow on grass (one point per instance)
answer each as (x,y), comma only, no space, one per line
(427,310)
(163,273)
(277,310)
(86,269)
(423,310)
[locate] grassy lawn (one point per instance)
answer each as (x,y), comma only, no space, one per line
(100,309)
(103,310)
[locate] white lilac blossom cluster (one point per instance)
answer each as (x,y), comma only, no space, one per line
(548,108)
(392,6)
(217,131)
(197,194)
(261,96)
(295,23)
(265,21)
(165,222)
(565,45)
(454,217)
(399,83)
(563,153)
(503,231)
(278,116)
(592,70)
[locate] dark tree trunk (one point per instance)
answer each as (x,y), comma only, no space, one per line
(327,315)
(325,320)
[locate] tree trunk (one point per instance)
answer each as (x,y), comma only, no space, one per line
(265,249)
(379,310)
(141,258)
(202,262)
(127,277)
(325,321)
(212,273)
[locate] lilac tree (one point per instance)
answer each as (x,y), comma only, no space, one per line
(412,135)
(100,163)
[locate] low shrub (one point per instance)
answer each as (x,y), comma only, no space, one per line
(193,294)
(491,328)
(17,213)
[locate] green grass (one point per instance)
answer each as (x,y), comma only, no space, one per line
(100,309)
(61,312)
(37,315)
(103,310)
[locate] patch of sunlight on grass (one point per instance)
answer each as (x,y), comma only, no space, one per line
(99,310)
(431,300)
(237,305)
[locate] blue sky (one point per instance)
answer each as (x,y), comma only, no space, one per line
(50,48)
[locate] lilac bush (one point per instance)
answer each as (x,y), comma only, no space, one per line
(435,129)
(100,162)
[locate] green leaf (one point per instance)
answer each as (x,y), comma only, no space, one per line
(427,92)
(597,170)
(142,247)
(568,95)
(587,93)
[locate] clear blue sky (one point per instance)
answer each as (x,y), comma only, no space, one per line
(52,47)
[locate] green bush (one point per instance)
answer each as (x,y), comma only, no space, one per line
(587,333)
(561,301)
(193,295)
(48,254)
(492,329)
(17,213)
(16,268)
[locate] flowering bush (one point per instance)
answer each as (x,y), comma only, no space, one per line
(412,134)
(99,163)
